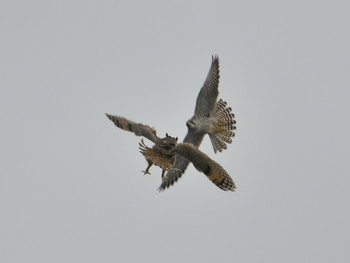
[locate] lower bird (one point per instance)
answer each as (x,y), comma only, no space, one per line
(165,150)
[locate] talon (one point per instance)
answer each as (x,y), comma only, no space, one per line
(147,168)
(218,130)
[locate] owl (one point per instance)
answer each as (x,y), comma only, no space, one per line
(166,150)
(211,117)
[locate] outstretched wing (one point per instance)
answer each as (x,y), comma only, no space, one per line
(209,92)
(205,104)
(181,162)
(214,171)
(137,128)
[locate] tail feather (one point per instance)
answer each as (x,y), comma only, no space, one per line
(224,126)
(225,137)
(218,143)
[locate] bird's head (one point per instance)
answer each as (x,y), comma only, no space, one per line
(191,124)
(167,144)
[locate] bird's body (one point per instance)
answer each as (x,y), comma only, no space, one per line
(219,125)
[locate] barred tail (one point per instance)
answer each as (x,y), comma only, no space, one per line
(223,127)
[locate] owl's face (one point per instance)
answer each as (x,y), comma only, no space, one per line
(167,144)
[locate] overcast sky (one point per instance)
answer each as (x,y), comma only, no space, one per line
(71,187)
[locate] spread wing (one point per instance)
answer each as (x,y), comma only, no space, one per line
(209,92)
(137,128)
(214,171)
(206,101)
(181,162)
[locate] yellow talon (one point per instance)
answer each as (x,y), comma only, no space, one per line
(218,130)
(220,123)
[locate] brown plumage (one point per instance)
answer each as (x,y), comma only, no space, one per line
(160,154)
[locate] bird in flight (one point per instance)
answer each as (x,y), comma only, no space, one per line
(166,150)
(211,117)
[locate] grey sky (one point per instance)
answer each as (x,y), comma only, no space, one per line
(71,187)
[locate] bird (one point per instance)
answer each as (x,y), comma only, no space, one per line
(166,150)
(212,117)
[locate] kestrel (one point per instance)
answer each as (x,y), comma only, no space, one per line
(211,117)
(166,150)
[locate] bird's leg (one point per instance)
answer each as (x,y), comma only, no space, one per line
(218,130)
(219,123)
(147,169)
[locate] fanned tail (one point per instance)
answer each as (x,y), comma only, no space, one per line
(223,127)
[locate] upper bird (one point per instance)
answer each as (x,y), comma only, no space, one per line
(166,150)
(211,117)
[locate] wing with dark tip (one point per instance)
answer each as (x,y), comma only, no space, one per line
(206,101)
(181,162)
(209,92)
(214,171)
(137,128)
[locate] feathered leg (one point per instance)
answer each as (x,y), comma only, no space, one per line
(147,169)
